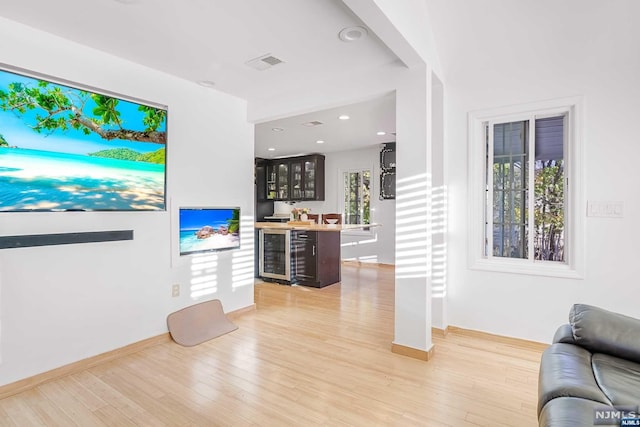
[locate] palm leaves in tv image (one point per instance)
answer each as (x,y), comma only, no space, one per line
(62,108)
(234,221)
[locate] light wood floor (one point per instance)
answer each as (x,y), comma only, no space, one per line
(305,357)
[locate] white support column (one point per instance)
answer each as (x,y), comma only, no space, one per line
(439,208)
(412,334)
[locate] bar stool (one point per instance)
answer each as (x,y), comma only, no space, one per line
(332,218)
(313,217)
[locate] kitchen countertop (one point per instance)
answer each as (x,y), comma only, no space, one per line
(313,227)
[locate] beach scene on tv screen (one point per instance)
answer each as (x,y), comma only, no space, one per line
(63,148)
(203,230)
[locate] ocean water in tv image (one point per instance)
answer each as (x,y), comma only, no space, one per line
(63,148)
(44,180)
(203,230)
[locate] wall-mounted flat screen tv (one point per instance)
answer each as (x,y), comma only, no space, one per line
(66,148)
(209,229)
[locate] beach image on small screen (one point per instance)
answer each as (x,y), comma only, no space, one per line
(203,229)
(63,148)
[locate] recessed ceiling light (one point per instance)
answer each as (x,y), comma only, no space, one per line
(381,133)
(319,141)
(344,117)
(351,34)
(206,83)
(271,149)
(277,129)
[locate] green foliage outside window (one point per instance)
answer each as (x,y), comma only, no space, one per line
(510,211)
(357,197)
(549,210)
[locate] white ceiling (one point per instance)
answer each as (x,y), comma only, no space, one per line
(211,40)
(360,130)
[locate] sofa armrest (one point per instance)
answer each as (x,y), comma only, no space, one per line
(565,371)
(564,334)
(602,331)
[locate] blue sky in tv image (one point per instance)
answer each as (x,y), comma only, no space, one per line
(71,141)
(64,168)
(209,229)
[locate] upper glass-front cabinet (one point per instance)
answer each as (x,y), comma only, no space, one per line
(296,178)
(312,185)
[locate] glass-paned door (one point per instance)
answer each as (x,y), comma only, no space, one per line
(283,181)
(272,188)
(297,191)
(357,197)
(309,179)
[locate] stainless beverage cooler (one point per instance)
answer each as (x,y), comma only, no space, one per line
(275,254)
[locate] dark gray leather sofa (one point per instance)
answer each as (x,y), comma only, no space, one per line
(593,363)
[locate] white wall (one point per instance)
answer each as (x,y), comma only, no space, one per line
(60,304)
(606,75)
(376,246)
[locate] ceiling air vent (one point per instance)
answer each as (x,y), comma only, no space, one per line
(263,62)
(312,123)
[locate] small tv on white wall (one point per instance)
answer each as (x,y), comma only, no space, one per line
(209,229)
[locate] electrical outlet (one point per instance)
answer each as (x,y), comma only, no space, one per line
(175,291)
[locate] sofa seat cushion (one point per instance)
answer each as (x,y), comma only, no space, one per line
(565,371)
(569,412)
(619,379)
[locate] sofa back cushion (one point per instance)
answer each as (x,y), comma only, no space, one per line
(603,331)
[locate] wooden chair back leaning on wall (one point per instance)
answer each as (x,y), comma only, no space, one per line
(314,217)
(332,216)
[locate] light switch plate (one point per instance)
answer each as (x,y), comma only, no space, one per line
(605,209)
